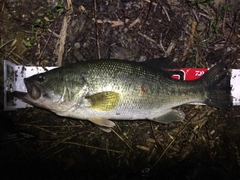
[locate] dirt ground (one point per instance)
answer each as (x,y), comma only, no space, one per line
(37,144)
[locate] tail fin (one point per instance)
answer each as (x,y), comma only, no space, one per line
(217,85)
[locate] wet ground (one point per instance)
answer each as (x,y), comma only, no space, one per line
(36,144)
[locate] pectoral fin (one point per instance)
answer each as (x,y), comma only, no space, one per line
(171,116)
(104,101)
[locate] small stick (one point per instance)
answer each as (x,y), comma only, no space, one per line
(6,43)
(224,21)
(164,9)
(132,24)
(161,45)
(153,3)
(144,148)
(17,57)
(170,48)
(56,144)
(37,127)
(149,9)
(113,23)
(146,37)
(190,40)
(173,140)
(96,29)
(93,147)
(59,50)
(44,47)
(150,39)
(54,153)
(123,140)
(54,34)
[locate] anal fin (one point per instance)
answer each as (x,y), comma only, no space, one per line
(102,122)
(170,116)
(106,129)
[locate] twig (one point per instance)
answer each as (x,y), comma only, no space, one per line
(150,1)
(107,150)
(131,25)
(45,130)
(161,44)
(150,39)
(190,40)
(49,148)
(113,23)
(149,9)
(205,15)
(170,144)
(144,148)
(6,43)
(56,144)
(54,34)
(17,57)
(123,140)
(146,37)
(59,50)
(37,127)
(168,17)
(96,30)
(173,140)
(13,59)
(93,147)
(170,48)
(195,15)
(46,126)
(49,37)
(59,150)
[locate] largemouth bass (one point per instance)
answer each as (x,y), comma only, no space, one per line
(100,90)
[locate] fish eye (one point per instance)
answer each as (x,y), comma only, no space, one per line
(40,78)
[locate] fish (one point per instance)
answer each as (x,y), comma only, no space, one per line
(110,89)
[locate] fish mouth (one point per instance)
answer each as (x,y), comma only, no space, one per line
(25,97)
(20,95)
(33,92)
(33,89)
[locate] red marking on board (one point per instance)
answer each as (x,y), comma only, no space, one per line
(190,73)
(175,76)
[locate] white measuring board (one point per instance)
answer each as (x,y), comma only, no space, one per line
(235,83)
